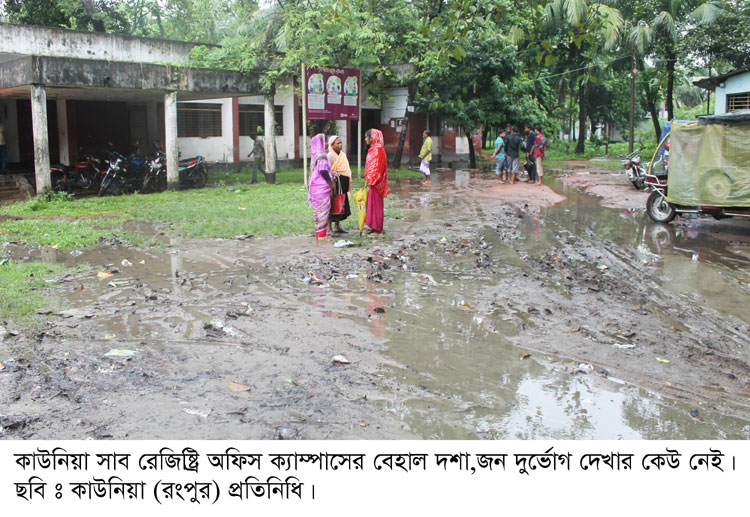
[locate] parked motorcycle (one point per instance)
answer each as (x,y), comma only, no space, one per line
(634,170)
(84,174)
(123,175)
(192,172)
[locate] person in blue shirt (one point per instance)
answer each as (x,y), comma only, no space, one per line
(499,153)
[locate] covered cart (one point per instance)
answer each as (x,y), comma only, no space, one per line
(706,169)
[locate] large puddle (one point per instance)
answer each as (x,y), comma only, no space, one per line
(465,379)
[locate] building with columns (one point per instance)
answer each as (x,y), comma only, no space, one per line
(61,90)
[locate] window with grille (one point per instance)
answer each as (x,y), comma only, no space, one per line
(251,116)
(738,101)
(198,119)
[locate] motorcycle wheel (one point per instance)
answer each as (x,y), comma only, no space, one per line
(659,209)
(60,186)
(199,177)
(148,184)
(108,185)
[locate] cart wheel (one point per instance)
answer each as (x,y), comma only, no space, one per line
(716,186)
(659,209)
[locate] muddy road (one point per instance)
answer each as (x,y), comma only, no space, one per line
(488,311)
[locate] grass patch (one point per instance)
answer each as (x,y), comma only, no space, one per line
(558,151)
(20,285)
(234,208)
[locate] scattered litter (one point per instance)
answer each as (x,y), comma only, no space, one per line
(379,310)
(695,257)
(695,414)
(126,263)
(585,367)
(667,383)
(467,306)
(142,261)
(76,253)
(103,274)
(525,356)
(109,336)
(198,412)
(602,267)
(233,386)
(4,262)
(119,352)
(55,246)
(220,325)
(2,367)
(241,207)
(342,244)
(340,359)
(624,345)
(577,329)
(116,283)
(662,360)
(628,335)
(362,425)
(444,239)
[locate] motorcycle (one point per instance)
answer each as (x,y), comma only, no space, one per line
(192,173)
(123,174)
(634,170)
(85,174)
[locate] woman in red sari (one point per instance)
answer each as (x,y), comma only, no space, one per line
(376,176)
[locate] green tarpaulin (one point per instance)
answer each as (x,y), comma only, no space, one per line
(709,165)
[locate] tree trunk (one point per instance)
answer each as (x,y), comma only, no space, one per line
(472,154)
(592,136)
(581,144)
(670,86)
(269,138)
(407,117)
(89,8)
(631,135)
(651,104)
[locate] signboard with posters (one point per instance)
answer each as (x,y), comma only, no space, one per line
(332,93)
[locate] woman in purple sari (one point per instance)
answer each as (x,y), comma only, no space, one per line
(319,192)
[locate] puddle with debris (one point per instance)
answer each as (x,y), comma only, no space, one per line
(476,319)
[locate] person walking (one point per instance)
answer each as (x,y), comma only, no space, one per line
(426,154)
(505,148)
(376,177)
(530,139)
(258,155)
(513,160)
(3,150)
(342,173)
(540,152)
(319,190)
(499,154)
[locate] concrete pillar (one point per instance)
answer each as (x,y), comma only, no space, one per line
(41,138)
(170,135)
(62,131)
(269,137)
(152,125)
(235,130)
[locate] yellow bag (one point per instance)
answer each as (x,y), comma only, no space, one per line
(360,199)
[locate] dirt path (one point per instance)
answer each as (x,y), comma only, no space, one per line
(479,296)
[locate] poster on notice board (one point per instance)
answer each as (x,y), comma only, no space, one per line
(332,93)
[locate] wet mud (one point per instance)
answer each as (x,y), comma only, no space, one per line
(489,311)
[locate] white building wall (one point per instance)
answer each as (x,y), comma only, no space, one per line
(737,84)
(214,149)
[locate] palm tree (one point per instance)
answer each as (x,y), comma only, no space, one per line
(590,27)
(663,30)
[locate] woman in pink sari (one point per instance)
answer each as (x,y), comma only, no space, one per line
(376,176)
(319,191)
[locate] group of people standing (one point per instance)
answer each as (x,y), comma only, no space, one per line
(330,174)
(508,148)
